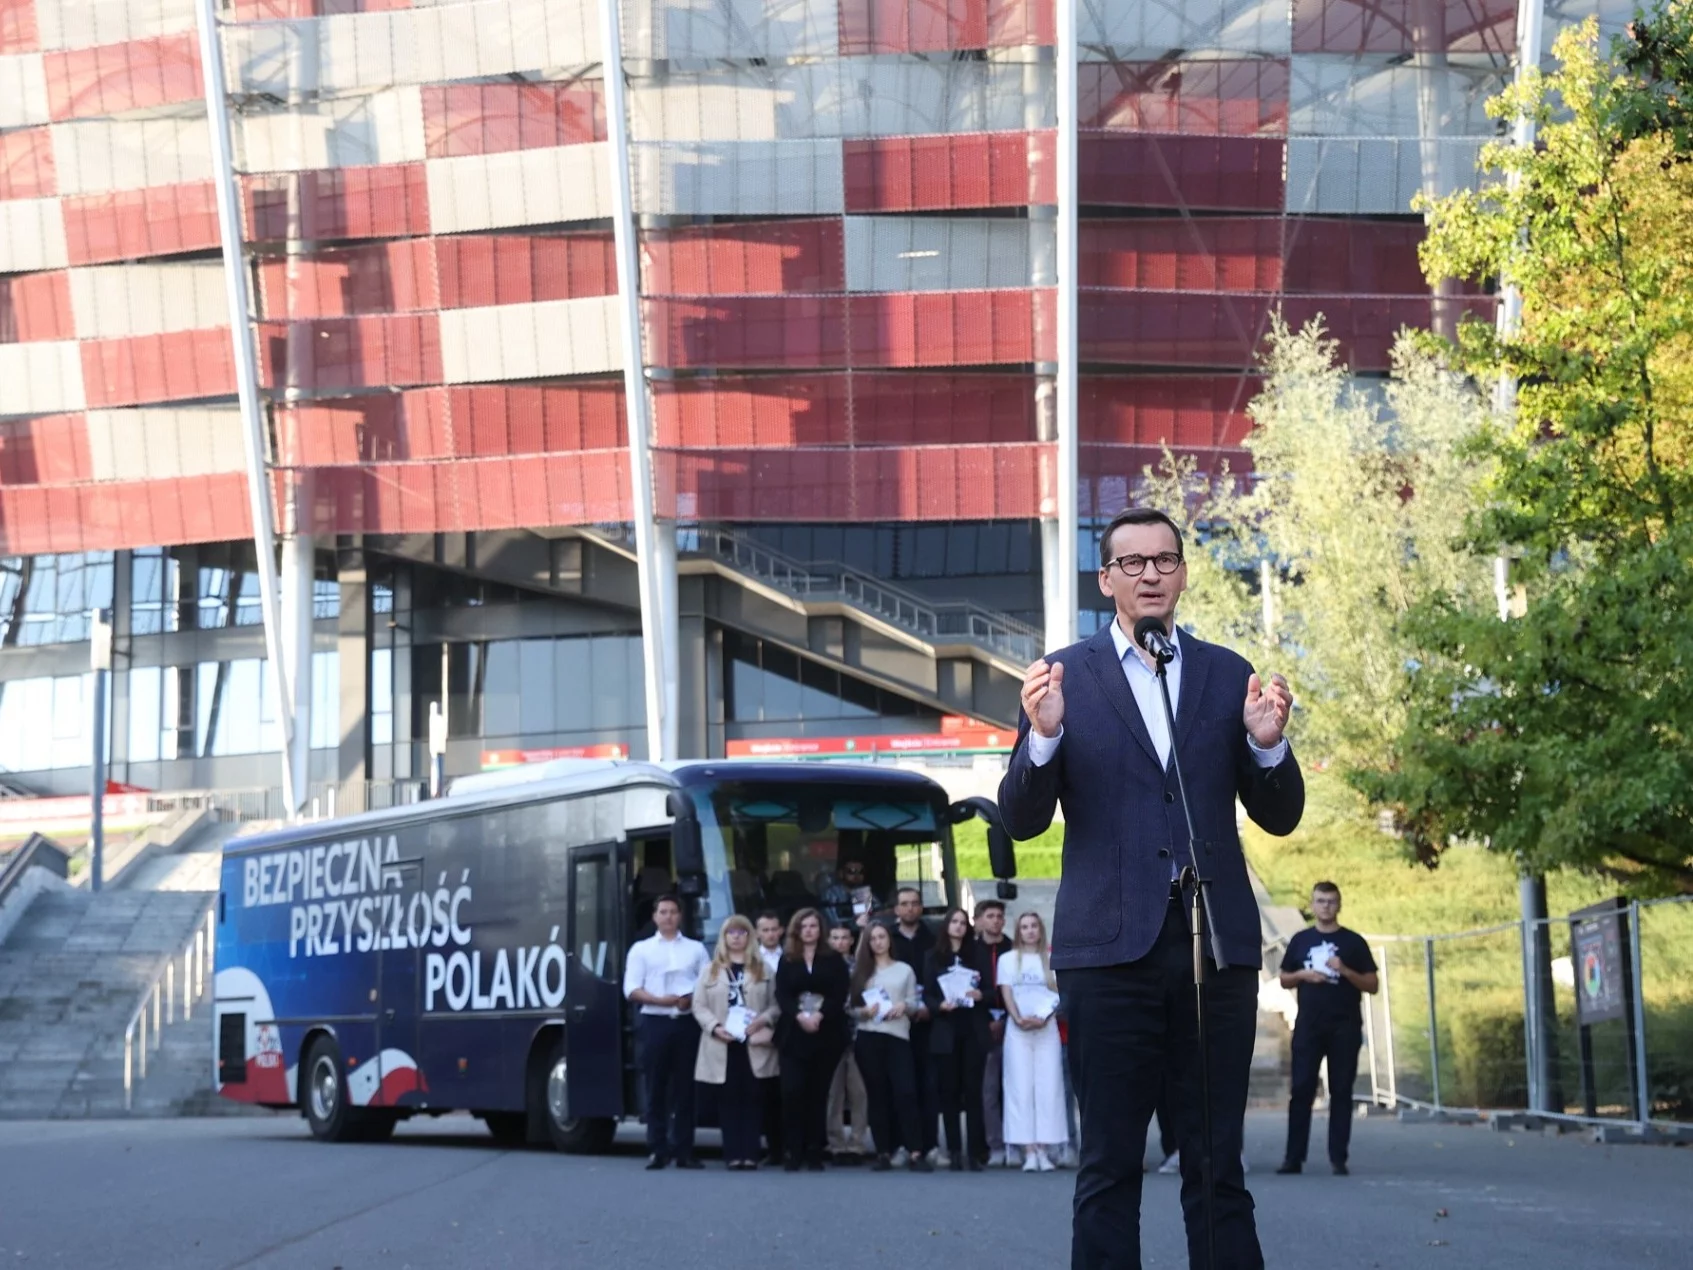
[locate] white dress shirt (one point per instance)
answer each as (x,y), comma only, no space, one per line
(665,968)
(1143,682)
(772,959)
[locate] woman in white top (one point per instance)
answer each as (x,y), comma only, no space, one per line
(883,1046)
(1033,1062)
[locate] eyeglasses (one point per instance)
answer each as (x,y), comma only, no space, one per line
(1165,562)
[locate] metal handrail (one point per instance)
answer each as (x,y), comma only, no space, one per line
(160,998)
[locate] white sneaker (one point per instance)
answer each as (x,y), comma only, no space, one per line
(940,1159)
(901,1158)
(996,1158)
(1013,1157)
(1043,1161)
(1172,1163)
(1031,1163)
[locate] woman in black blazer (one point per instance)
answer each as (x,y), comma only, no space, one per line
(958,1039)
(809,1041)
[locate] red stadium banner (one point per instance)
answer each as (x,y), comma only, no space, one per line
(492,760)
(966,739)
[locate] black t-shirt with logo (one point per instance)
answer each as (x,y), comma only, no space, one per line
(1336,1002)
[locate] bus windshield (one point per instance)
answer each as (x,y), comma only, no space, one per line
(782,848)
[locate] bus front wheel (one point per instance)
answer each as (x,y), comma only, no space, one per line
(323,1093)
(577,1136)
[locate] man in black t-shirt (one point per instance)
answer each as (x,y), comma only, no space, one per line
(1331,968)
(912,940)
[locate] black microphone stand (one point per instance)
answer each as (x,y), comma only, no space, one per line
(1203,928)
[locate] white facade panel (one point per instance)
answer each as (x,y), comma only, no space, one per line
(520,187)
(40,378)
(1197,26)
(32,235)
(920,253)
(157,443)
(116,301)
(1335,96)
(670,29)
(526,341)
(847,97)
(738,178)
(368,51)
(99,156)
(23,91)
(1365,177)
(80,24)
(385,127)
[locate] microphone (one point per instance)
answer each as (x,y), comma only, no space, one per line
(1150,635)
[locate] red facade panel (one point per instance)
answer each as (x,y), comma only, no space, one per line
(162,220)
(1209,254)
(18,32)
(900,483)
(46,450)
(754,258)
(385,277)
(1340,256)
(26,164)
(111,78)
(1210,173)
(385,351)
(1405,26)
(1184,412)
(388,201)
(921,408)
(936,173)
(932,26)
(1247,97)
(36,306)
(146,369)
(273,10)
(501,269)
(460,119)
(113,515)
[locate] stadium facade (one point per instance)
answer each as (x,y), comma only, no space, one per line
(847,468)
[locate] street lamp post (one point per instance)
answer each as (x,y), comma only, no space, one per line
(100,661)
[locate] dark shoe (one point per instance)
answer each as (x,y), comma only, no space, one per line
(920,1164)
(975,1165)
(1288,1166)
(1340,1170)
(849,1159)
(792,1166)
(655,1162)
(881,1164)
(957,1165)
(689,1163)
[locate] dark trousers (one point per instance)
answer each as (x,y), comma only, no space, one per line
(959,1081)
(668,1049)
(1132,1028)
(806,1077)
(771,1089)
(740,1107)
(1167,1140)
(928,1098)
(890,1087)
(1311,1045)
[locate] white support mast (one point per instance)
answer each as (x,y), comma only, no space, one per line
(253,434)
(1060,591)
(655,542)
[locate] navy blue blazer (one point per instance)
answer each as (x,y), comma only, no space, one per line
(1122,823)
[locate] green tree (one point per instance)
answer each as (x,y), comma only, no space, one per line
(1562,738)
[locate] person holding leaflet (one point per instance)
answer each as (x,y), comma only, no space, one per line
(1094,738)
(1034,1075)
(884,999)
(735,1006)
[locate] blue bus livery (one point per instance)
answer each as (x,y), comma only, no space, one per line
(466,953)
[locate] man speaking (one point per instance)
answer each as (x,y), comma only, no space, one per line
(1094,738)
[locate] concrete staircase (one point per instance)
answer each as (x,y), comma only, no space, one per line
(72,972)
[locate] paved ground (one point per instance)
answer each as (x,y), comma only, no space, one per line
(199,1193)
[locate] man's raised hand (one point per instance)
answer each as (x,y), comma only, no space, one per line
(1267,707)
(1043,696)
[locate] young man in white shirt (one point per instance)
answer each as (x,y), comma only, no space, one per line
(659,977)
(770,931)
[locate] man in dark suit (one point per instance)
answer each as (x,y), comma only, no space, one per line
(1094,739)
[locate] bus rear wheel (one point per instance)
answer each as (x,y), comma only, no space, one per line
(576,1136)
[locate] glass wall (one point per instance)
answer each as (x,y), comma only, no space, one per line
(892,552)
(512,689)
(46,599)
(47,723)
(219,708)
(765,683)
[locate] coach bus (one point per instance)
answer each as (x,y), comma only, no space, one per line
(465,954)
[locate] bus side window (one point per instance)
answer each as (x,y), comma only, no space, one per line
(595,917)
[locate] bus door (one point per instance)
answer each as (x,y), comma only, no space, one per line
(594,993)
(398,984)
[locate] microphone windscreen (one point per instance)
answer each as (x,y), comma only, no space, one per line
(1145,626)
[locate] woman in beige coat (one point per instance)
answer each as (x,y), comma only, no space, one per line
(735,1006)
